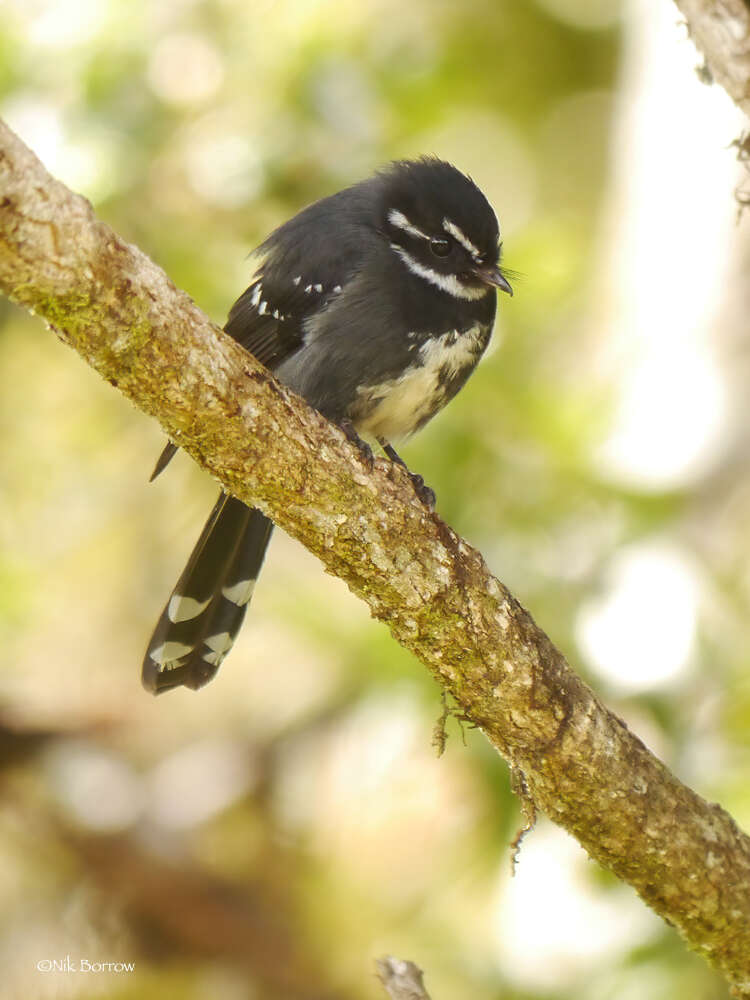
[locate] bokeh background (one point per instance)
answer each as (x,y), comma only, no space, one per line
(272,835)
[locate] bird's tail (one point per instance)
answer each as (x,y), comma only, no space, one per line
(205,610)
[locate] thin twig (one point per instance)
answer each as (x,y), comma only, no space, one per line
(401,979)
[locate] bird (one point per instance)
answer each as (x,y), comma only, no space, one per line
(374,304)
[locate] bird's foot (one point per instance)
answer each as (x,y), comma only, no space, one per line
(424,494)
(363,447)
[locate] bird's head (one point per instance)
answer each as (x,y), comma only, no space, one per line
(442,227)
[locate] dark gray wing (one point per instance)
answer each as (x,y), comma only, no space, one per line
(301,271)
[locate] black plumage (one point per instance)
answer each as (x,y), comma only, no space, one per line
(375,304)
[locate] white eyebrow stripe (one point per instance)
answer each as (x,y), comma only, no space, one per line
(460,237)
(446,282)
(399,220)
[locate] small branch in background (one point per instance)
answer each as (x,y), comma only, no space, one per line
(721,31)
(401,979)
(742,191)
(439,733)
(528,808)
(173,910)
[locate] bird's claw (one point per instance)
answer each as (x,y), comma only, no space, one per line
(424,493)
(365,451)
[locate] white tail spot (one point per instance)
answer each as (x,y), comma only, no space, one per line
(182,609)
(239,593)
(169,653)
(219,645)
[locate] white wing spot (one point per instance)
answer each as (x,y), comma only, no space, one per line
(182,609)
(297,280)
(337,289)
(239,593)
(308,289)
(257,292)
(262,308)
(318,288)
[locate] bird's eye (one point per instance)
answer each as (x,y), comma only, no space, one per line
(440,247)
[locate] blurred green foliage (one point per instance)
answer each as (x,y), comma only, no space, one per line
(271,836)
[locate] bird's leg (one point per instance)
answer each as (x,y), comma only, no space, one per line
(362,446)
(424,493)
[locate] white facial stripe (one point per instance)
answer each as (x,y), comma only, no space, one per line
(399,220)
(446,282)
(460,237)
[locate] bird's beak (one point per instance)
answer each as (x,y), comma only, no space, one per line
(490,275)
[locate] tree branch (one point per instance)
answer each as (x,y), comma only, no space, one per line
(402,980)
(721,30)
(580,763)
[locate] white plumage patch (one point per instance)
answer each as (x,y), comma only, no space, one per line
(399,220)
(395,408)
(447,282)
(460,237)
(219,645)
(168,655)
(240,593)
(181,609)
